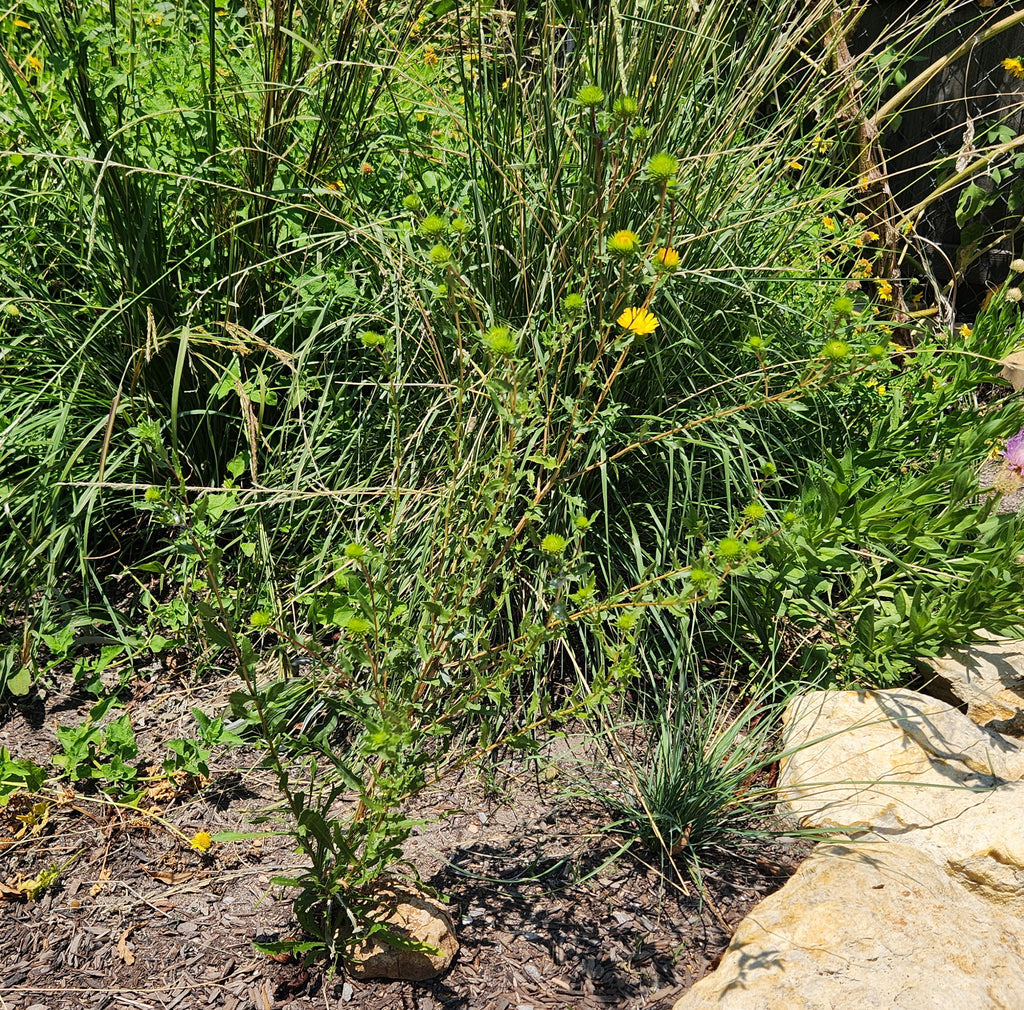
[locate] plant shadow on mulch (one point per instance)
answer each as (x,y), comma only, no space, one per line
(548,911)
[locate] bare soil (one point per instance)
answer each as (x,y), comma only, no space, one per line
(549,912)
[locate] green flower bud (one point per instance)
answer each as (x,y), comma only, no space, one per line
(662,167)
(573,304)
(500,340)
(842,307)
(431,227)
(835,350)
(440,255)
(590,96)
(626,107)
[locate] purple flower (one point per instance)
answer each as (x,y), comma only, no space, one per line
(1013,454)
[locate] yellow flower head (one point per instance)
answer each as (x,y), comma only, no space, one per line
(623,243)
(638,321)
(828,223)
(666,260)
(965,330)
(430,57)
(1014,66)
(201,841)
(793,165)
(884,290)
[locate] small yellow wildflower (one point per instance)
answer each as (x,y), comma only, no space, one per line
(965,330)
(1014,66)
(862,268)
(666,260)
(828,223)
(430,57)
(638,321)
(821,145)
(917,299)
(794,165)
(880,389)
(18,23)
(201,841)
(623,243)
(884,290)
(34,63)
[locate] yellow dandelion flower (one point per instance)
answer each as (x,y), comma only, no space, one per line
(201,841)
(1014,66)
(638,321)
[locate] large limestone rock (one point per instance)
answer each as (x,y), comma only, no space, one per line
(415,918)
(898,766)
(989,678)
(869,926)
